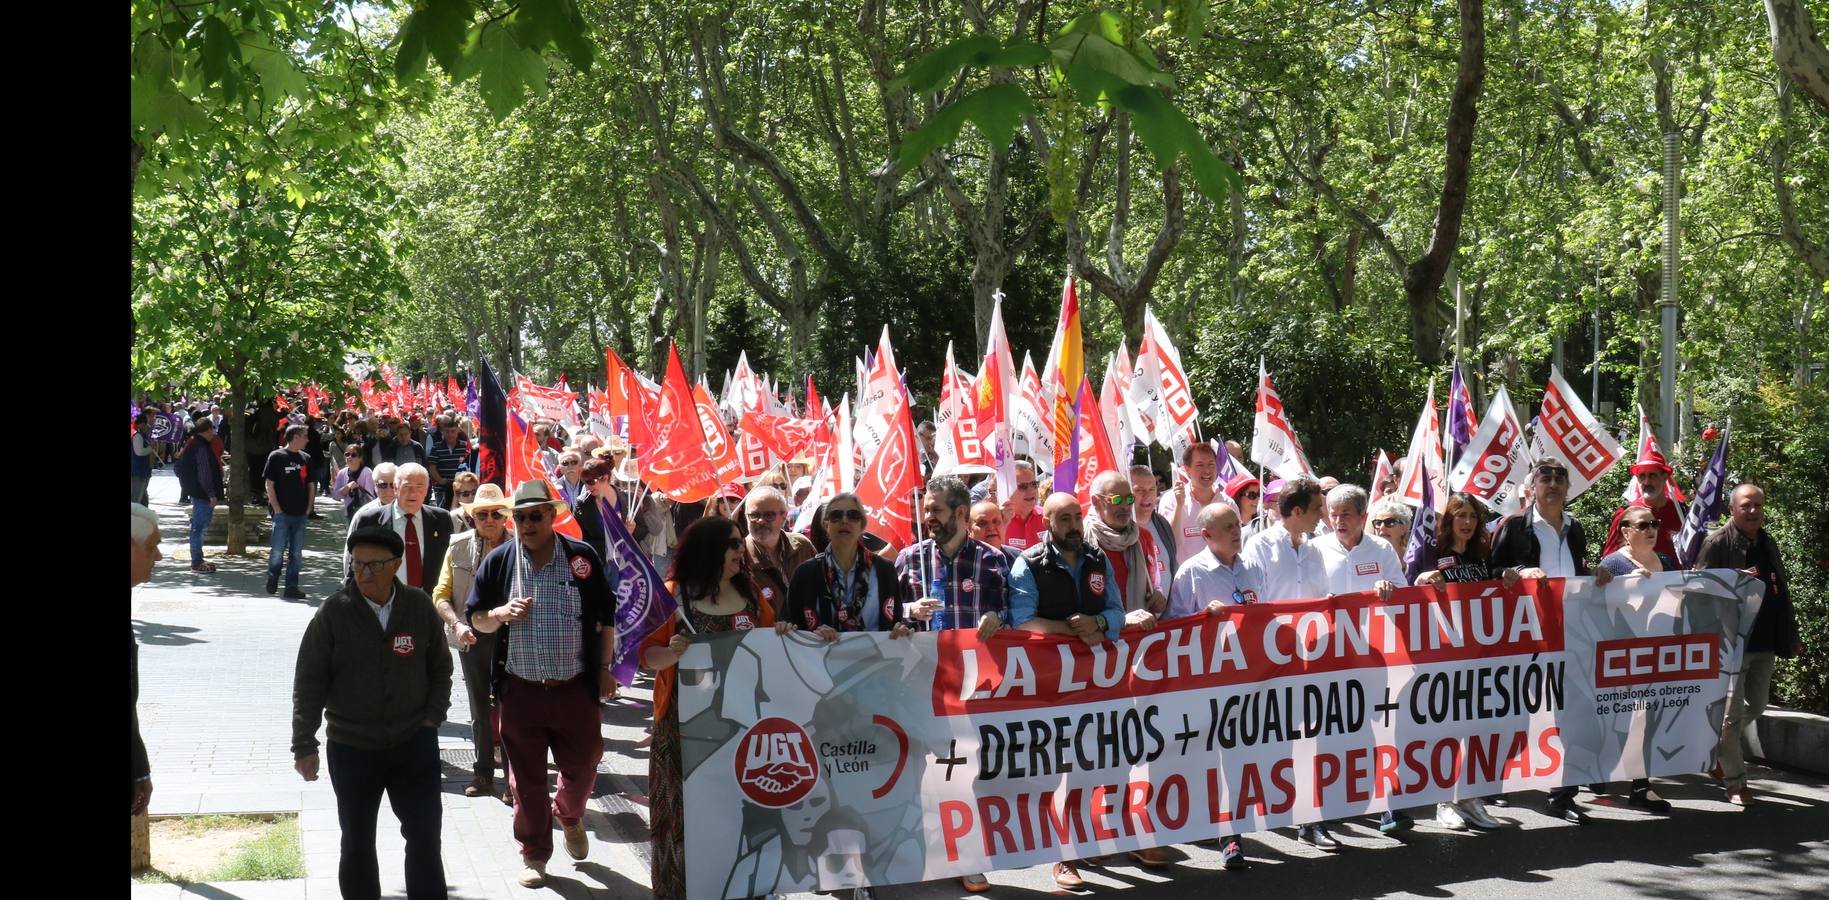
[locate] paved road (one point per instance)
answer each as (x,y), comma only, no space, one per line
(216,664)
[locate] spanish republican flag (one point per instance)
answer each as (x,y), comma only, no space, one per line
(1066,368)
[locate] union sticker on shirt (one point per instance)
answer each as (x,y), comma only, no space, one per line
(1190,532)
(742,622)
(1096,581)
(1444,562)
(581,567)
(1249,595)
(768,593)
(1370,568)
(967,585)
(1018,543)
(403,644)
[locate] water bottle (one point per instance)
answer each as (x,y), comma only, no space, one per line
(937,591)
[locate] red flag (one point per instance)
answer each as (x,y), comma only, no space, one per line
(887,488)
(1094,445)
(312,408)
(280,402)
(678,465)
(816,408)
(524,465)
(784,436)
(718,445)
(455,394)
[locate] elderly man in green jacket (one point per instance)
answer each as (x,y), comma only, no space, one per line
(373,663)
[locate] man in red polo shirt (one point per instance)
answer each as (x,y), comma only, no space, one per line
(1025,527)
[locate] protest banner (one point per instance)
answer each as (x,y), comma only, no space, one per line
(871,761)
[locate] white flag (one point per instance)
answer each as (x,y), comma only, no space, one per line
(1177,420)
(1566,431)
(1273,440)
(1031,424)
(1493,464)
(1424,459)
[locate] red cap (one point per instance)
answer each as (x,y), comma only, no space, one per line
(1650,458)
(1237,484)
(732,490)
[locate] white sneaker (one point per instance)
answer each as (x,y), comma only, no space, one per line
(1474,811)
(533,874)
(1449,816)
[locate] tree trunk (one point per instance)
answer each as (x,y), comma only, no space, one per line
(1798,48)
(1423,279)
(237,467)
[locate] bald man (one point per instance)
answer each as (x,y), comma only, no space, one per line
(987,527)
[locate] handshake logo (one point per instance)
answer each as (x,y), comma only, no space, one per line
(775,763)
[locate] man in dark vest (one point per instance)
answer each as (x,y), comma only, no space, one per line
(1065,585)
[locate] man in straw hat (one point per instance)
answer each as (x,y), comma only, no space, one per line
(488,514)
(552,601)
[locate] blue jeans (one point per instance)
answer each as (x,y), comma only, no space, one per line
(289,536)
(201,511)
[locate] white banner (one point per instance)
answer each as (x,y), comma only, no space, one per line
(870,761)
(1492,467)
(1568,432)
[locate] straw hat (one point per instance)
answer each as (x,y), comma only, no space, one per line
(488,496)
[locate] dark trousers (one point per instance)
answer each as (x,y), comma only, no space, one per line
(409,774)
(475,663)
(532,720)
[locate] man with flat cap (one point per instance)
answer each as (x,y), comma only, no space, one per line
(373,664)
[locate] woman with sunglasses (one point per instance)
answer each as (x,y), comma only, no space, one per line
(845,587)
(1638,555)
(463,490)
(488,514)
(711,581)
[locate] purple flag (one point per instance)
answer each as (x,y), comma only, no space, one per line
(1067,474)
(1706,506)
(471,400)
(1228,467)
(1423,530)
(1460,412)
(643,602)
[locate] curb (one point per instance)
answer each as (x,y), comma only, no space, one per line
(1791,738)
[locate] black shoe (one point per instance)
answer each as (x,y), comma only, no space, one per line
(1598,789)
(293,593)
(1317,837)
(1568,812)
(1643,800)
(272,584)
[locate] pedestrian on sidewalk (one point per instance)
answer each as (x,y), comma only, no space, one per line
(373,664)
(200,473)
(290,496)
(143,548)
(476,650)
(553,602)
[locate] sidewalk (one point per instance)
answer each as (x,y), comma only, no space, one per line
(216,660)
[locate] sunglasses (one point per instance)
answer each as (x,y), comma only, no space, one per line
(530,516)
(1026,485)
(1253,495)
(491,515)
(1642,526)
(384,484)
(765,515)
(1552,473)
(1118,499)
(375,567)
(840,515)
(466,493)
(1386,523)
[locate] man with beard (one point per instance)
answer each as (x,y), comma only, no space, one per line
(1066,586)
(1129,549)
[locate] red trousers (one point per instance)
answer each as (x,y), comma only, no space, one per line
(531,720)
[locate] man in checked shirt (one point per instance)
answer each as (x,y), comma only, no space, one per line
(554,601)
(951,580)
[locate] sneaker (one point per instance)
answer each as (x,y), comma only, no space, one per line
(1067,876)
(1474,813)
(1316,836)
(204,568)
(1151,856)
(1568,811)
(577,840)
(533,873)
(293,593)
(1234,855)
(273,582)
(1649,802)
(1448,816)
(974,883)
(1393,822)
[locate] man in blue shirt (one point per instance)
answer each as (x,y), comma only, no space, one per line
(1065,585)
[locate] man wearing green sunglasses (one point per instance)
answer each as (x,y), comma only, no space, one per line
(1135,558)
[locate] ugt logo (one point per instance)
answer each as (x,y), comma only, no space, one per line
(775,763)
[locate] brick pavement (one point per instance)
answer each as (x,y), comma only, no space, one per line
(216,660)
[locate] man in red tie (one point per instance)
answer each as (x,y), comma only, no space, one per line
(425,530)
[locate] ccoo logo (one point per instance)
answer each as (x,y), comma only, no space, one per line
(775,763)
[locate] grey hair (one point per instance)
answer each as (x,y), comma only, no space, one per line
(410,469)
(387,470)
(951,490)
(765,492)
(1348,493)
(1141,470)
(1026,464)
(1392,508)
(1213,512)
(145,522)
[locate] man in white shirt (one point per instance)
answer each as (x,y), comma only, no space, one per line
(1356,561)
(1283,554)
(1215,577)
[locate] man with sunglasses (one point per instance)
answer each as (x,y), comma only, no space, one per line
(774,554)
(373,663)
(1025,526)
(552,601)
(1544,541)
(1135,560)
(385,475)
